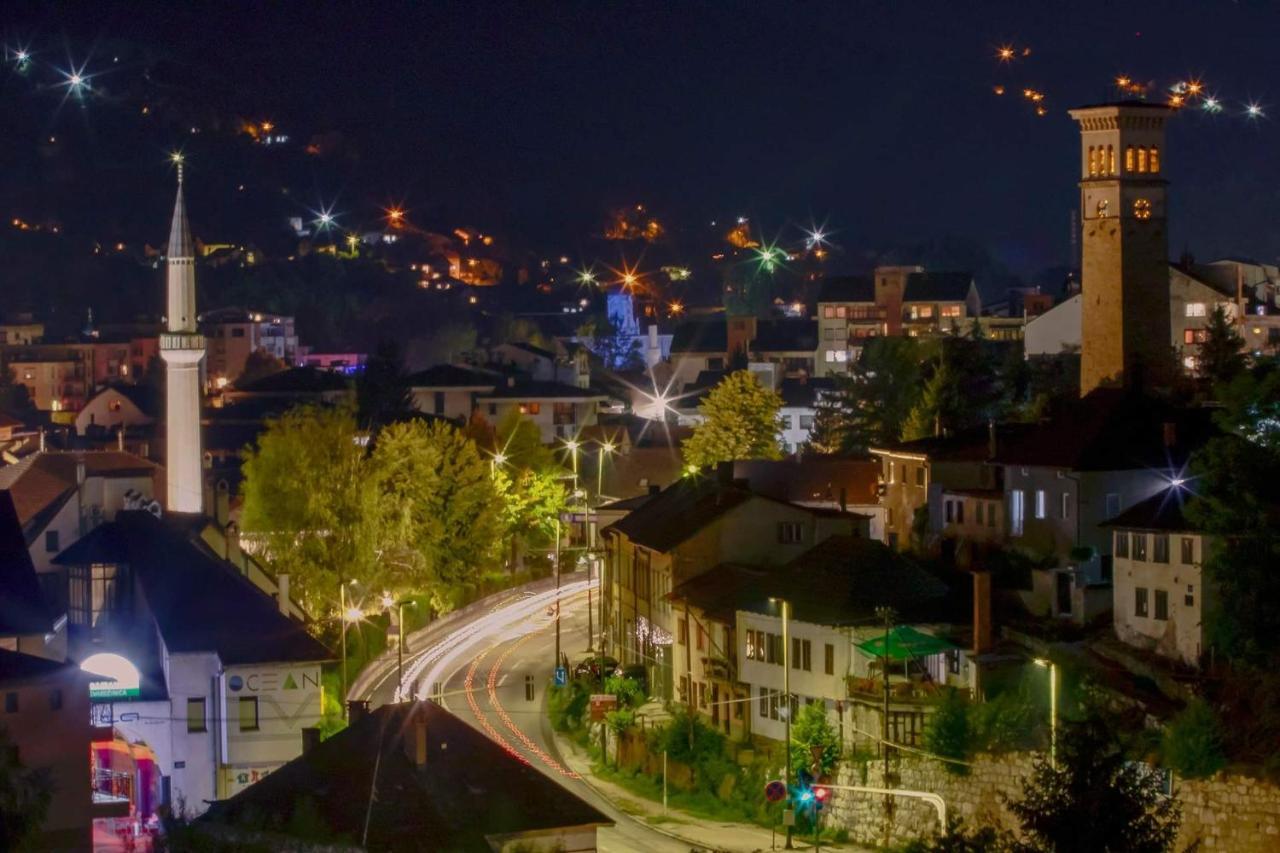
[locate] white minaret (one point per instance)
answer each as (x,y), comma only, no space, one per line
(182,347)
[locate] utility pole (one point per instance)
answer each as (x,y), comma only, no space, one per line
(785,607)
(342,621)
(885,613)
(557,560)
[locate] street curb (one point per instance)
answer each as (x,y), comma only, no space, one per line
(554,744)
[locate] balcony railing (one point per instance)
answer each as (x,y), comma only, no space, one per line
(901,692)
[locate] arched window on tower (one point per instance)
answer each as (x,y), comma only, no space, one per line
(1142,159)
(1111,161)
(1154,160)
(1128,159)
(1093,162)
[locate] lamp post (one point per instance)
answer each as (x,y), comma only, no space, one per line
(1053,709)
(785,607)
(557,561)
(347,615)
(885,613)
(605,447)
(387,603)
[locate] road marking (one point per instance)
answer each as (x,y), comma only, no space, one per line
(510,724)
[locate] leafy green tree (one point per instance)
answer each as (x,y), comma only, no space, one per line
(382,390)
(812,730)
(1193,742)
(309,499)
(24,799)
(948,732)
(1221,356)
(258,365)
(439,507)
(1094,800)
(741,422)
(532,501)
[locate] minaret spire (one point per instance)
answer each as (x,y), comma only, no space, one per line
(182,348)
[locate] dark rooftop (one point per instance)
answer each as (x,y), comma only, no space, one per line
(786,334)
(518,388)
(938,286)
(841,581)
(297,380)
(849,288)
(16,666)
(193,593)
(469,791)
(709,336)
(453,376)
(680,511)
(1161,511)
(22,606)
(1112,430)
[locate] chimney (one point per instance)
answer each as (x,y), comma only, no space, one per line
(282,592)
(232,534)
(982,632)
(991,438)
(415,738)
(357,710)
(310,739)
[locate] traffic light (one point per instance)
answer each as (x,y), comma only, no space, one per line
(820,797)
(804,787)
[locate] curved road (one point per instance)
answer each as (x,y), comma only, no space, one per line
(479,671)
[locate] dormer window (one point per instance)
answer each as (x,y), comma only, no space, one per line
(97,591)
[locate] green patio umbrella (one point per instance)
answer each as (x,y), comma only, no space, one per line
(905,643)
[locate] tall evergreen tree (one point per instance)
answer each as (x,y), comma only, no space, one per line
(1221,356)
(382,390)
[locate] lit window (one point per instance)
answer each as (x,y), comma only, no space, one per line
(196,715)
(248,713)
(1195,309)
(828,312)
(831,356)
(1128,159)
(950,310)
(1040,503)
(1101,209)
(1093,162)
(1139,601)
(1111,160)
(842,356)
(1017,511)
(1153,162)
(1142,159)
(1122,544)
(1140,547)
(841,312)
(1142,209)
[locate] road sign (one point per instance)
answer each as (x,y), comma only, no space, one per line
(775,791)
(562,676)
(789,817)
(601,704)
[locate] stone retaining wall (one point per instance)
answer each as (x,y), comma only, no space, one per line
(1227,812)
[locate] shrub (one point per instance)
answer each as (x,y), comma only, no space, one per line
(1192,744)
(566,705)
(1007,721)
(812,730)
(628,691)
(948,733)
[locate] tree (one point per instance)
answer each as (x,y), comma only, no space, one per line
(382,391)
(309,499)
(24,799)
(1192,745)
(948,733)
(937,403)
(258,365)
(1094,800)
(532,501)
(869,407)
(616,347)
(1221,356)
(740,422)
(813,731)
(439,508)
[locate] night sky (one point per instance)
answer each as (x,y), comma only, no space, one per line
(878,118)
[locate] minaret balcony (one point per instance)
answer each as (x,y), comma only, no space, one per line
(181,346)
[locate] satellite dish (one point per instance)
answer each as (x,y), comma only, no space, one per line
(154,508)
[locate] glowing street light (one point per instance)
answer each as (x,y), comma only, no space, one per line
(1053,708)
(1254,111)
(1005,53)
(21,56)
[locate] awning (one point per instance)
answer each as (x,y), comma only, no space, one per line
(905,642)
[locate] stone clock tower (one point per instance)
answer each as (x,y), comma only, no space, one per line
(1125,266)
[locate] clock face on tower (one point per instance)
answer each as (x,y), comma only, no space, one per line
(1141,209)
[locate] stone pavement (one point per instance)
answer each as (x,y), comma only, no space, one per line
(701,834)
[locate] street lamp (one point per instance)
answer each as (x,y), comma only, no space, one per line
(605,447)
(1053,709)
(347,615)
(785,607)
(387,603)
